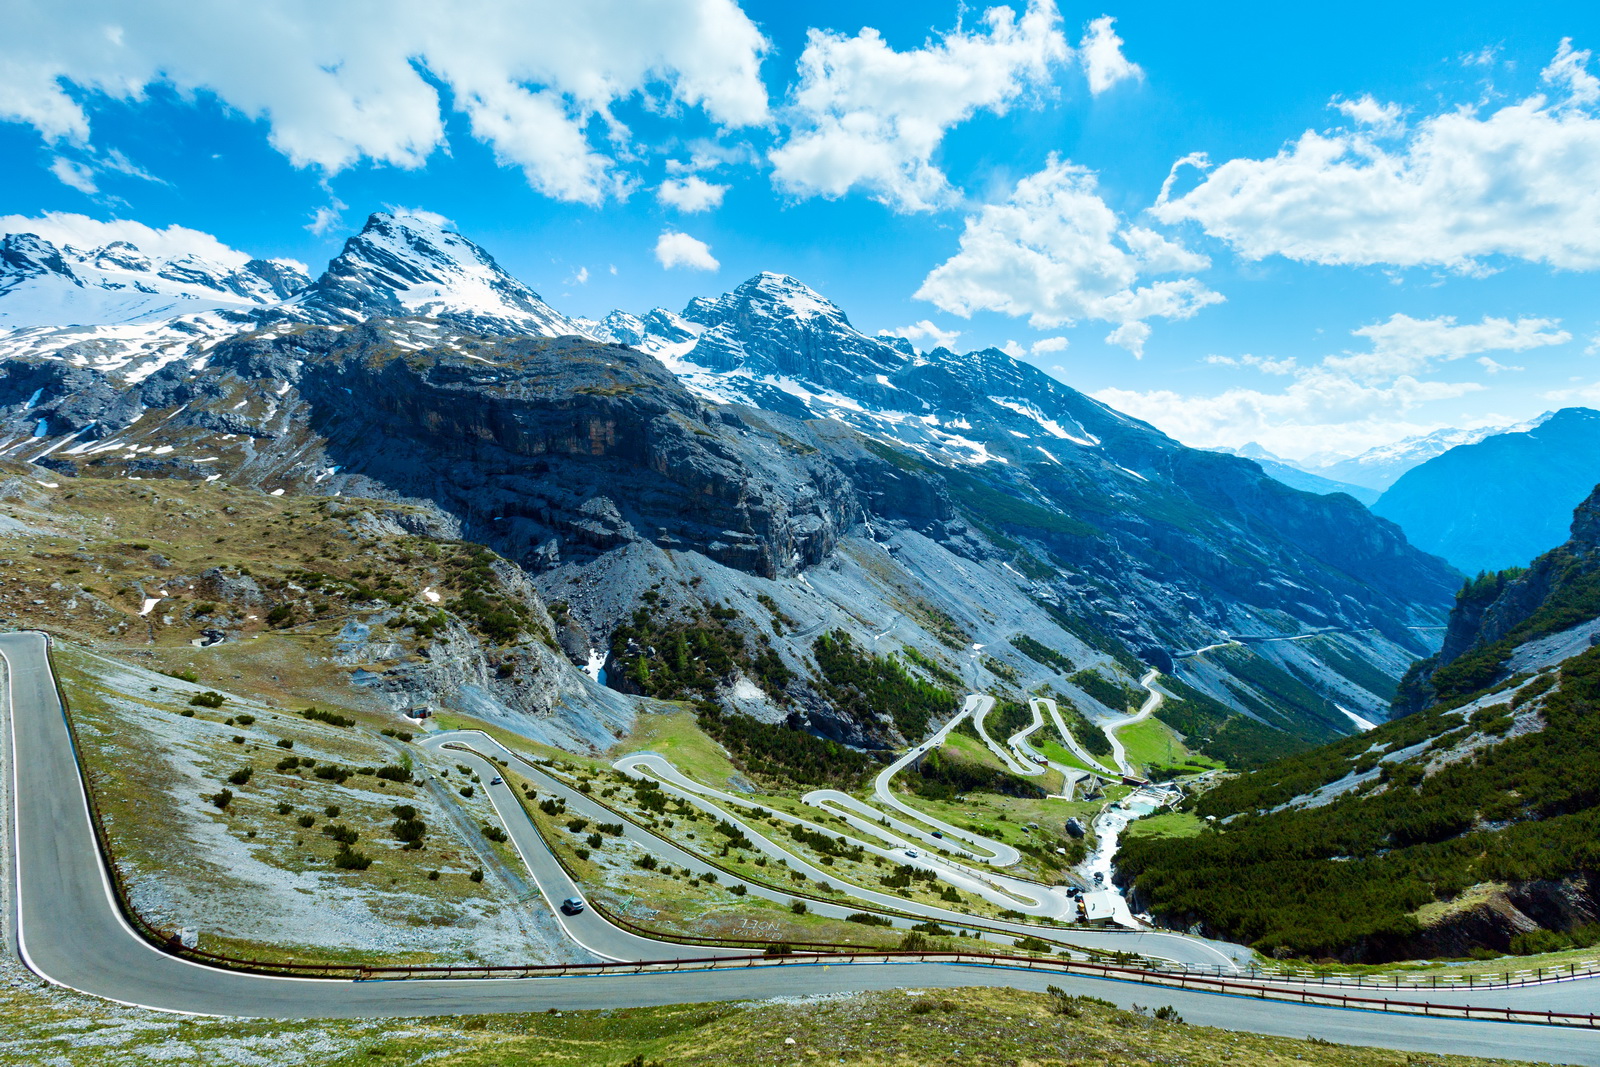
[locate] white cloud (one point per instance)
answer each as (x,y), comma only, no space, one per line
(1493,366)
(1588,395)
(1320,413)
(936,336)
(1569,73)
(1016,350)
(675,249)
(691,194)
(1382,119)
(1461,186)
(80,231)
(1100,51)
(78,175)
(1346,402)
(579,277)
(326,219)
(1404,345)
(1264,364)
(340,84)
(1055,252)
(864,115)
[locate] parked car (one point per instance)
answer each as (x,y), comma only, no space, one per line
(572,905)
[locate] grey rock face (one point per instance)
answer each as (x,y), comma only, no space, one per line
(586,445)
(1476,624)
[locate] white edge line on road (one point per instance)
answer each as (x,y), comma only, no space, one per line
(555,908)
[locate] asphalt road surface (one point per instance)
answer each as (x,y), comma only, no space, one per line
(68,930)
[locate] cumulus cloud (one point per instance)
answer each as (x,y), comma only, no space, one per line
(1404,345)
(1452,190)
(691,194)
(83,232)
(1100,51)
(579,277)
(1346,402)
(674,249)
(866,116)
(1366,111)
(924,330)
(79,176)
(1055,252)
(326,219)
(341,84)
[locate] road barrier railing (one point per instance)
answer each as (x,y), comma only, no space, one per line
(1298,976)
(1293,988)
(1043,932)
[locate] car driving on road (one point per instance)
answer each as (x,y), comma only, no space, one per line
(572,905)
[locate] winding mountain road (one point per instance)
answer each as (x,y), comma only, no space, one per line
(67,927)
(1151,702)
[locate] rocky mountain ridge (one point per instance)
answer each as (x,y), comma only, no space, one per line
(1502,500)
(756,452)
(1380,467)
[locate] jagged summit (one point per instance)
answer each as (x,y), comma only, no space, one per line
(416,264)
(46,285)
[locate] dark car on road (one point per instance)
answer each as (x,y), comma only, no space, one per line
(572,905)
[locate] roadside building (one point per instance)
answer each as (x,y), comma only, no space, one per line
(1097,908)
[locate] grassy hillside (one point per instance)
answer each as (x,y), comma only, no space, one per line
(990,1027)
(1504,789)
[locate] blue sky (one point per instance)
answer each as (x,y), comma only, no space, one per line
(996,174)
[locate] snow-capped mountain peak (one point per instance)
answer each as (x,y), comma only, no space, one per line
(416,264)
(659,332)
(48,285)
(1380,467)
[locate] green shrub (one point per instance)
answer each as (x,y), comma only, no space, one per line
(307,821)
(222,799)
(347,859)
(866,918)
(329,717)
(476,875)
(242,775)
(208,699)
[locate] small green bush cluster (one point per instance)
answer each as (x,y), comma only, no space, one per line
(329,717)
(862,685)
(1041,653)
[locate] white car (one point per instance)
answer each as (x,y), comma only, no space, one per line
(911,852)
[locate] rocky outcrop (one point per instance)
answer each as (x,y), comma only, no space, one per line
(1492,917)
(554,449)
(1480,620)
